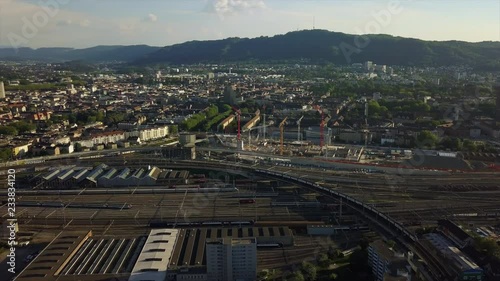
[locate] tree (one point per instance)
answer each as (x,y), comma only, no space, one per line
(114,118)
(174,129)
(72,118)
(297,276)
(5,154)
(91,119)
(373,107)
(212,111)
(469,145)
(23,126)
(452,143)
(488,246)
(99,116)
(323,260)
(8,130)
(332,252)
(262,274)
(391,243)
(426,139)
(309,270)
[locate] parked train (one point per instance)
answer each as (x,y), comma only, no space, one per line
(270,245)
(74,205)
(162,224)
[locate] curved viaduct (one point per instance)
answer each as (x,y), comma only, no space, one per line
(364,209)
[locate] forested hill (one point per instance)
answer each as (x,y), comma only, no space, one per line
(325,46)
(310,46)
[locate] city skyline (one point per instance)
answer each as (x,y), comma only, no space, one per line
(69,23)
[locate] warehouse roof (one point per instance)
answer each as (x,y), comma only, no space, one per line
(48,264)
(154,258)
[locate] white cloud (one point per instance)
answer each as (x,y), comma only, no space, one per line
(151,18)
(67,22)
(85,23)
(233,7)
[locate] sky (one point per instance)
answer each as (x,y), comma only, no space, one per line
(87,23)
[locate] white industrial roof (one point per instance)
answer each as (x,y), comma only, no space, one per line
(154,258)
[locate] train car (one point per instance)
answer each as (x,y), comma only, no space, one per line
(251,222)
(186,186)
(247,201)
(211,223)
(270,245)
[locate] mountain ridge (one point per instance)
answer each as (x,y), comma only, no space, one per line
(314,46)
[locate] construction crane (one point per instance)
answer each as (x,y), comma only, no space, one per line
(258,128)
(239,144)
(298,129)
(264,120)
(282,131)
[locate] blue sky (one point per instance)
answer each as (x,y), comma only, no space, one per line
(85,23)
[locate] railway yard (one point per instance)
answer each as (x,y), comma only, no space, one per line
(254,202)
(412,199)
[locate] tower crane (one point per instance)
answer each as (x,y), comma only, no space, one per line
(282,131)
(264,120)
(298,129)
(258,128)
(239,145)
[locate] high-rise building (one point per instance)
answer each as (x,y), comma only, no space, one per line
(229,95)
(2,90)
(387,264)
(368,65)
(232,259)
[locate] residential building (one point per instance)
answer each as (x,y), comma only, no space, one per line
(368,65)
(381,68)
(20,149)
(387,264)
(101,138)
(232,259)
